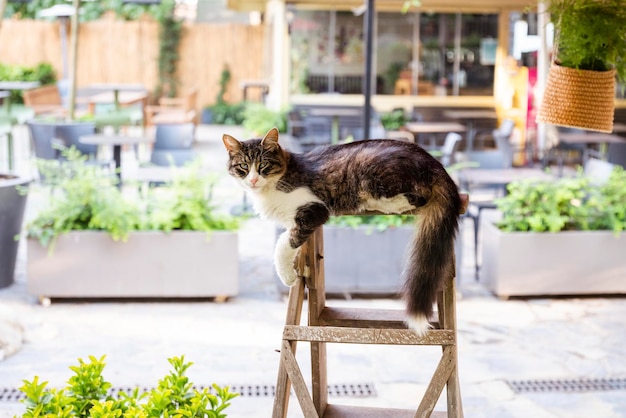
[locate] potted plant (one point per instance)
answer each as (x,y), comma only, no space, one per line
(589,52)
(94,240)
(13,196)
(88,393)
(557,237)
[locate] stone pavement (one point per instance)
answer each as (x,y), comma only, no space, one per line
(236,342)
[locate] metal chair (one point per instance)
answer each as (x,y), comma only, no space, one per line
(173,144)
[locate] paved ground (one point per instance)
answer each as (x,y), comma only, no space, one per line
(235,343)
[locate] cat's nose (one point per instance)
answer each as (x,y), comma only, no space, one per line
(254,180)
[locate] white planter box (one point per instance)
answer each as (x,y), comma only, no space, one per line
(149,264)
(563,263)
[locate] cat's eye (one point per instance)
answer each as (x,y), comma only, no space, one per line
(264,165)
(243,166)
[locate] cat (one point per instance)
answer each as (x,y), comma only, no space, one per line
(301,191)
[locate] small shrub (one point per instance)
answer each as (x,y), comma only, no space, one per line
(87,395)
(86,197)
(565,204)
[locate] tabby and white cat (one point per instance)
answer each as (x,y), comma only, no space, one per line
(301,191)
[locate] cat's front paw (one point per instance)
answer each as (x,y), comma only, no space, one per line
(287,275)
(284,257)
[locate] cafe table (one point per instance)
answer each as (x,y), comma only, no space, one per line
(116,89)
(589,138)
(433,128)
(116,141)
(334,113)
(123,98)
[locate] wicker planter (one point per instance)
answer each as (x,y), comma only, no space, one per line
(89,264)
(579,99)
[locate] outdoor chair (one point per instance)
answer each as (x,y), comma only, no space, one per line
(45,100)
(317,131)
(563,154)
(181,109)
(173,144)
(616,153)
(449,148)
(501,157)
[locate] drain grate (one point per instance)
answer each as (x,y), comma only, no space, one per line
(349,390)
(567,385)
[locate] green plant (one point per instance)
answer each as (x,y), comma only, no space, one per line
(225,77)
(87,395)
(590,34)
(375,222)
(228,114)
(86,197)
(42,72)
(394,120)
(258,119)
(170,32)
(565,204)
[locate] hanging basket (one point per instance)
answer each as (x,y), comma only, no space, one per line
(579,99)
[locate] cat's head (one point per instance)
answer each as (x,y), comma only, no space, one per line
(257,162)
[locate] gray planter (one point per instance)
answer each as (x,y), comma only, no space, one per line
(180,264)
(12,205)
(364,261)
(563,263)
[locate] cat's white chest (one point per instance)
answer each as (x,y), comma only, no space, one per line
(281,206)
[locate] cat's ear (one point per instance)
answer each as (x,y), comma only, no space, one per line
(231,144)
(270,140)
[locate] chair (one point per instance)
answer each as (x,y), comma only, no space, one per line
(616,153)
(501,157)
(42,136)
(45,100)
(448,150)
(173,110)
(173,144)
(317,131)
(70,133)
(565,154)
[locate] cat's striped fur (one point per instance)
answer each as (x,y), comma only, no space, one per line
(301,191)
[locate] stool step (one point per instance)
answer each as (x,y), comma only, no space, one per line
(366,318)
(345,411)
(329,334)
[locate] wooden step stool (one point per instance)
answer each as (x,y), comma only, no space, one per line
(358,326)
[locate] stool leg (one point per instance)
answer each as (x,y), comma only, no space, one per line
(283,386)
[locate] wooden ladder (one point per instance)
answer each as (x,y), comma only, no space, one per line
(358,326)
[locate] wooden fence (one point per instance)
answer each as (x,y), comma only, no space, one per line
(115,51)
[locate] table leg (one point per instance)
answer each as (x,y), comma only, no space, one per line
(117,157)
(10,149)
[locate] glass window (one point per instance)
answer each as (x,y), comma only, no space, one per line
(414,53)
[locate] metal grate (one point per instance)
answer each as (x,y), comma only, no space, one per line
(351,390)
(567,385)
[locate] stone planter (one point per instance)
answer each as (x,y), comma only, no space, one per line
(12,206)
(85,264)
(563,263)
(366,261)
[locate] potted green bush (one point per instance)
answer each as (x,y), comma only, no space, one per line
(88,394)
(94,240)
(557,237)
(13,196)
(589,52)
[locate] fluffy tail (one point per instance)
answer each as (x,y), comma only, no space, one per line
(431,257)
